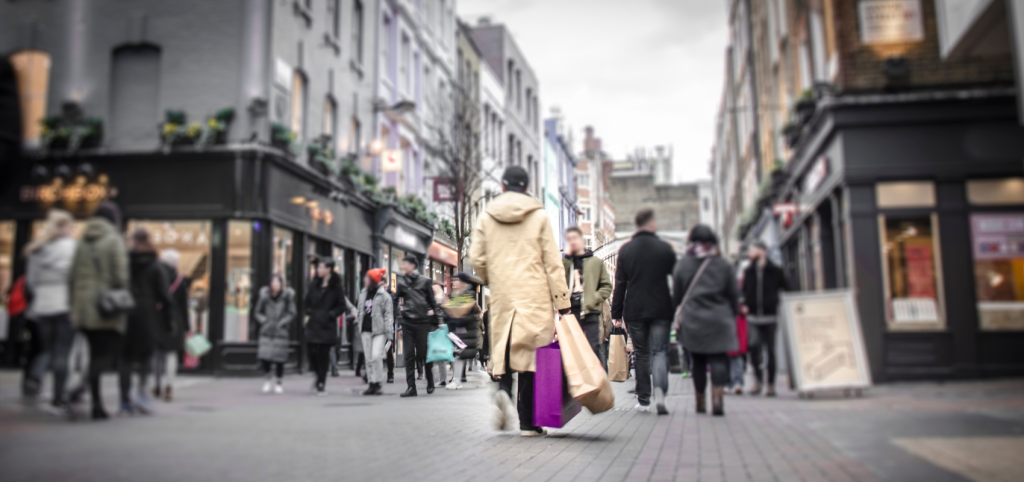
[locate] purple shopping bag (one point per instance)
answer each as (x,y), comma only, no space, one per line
(552,404)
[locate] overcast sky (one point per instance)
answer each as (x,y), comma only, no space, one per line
(642,72)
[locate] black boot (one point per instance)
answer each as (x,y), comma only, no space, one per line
(391,379)
(334,370)
(411,392)
(98,413)
(373,389)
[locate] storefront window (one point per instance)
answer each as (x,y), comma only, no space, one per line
(6,272)
(338,255)
(997,242)
(913,274)
(192,241)
(386,261)
(396,260)
(238,289)
(282,262)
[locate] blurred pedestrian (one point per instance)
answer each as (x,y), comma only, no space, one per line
(589,286)
(606,332)
(171,339)
(418,302)
(440,298)
(375,324)
(514,251)
(324,303)
(708,298)
(463,316)
(275,311)
(762,283)
(150,324)
(101,263)
(643,300)
(50,257)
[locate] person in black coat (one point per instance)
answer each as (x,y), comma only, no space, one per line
(152,317)
(325,302)
(417,295)
(643,299)
(762,283)
(465,326)
(171,342)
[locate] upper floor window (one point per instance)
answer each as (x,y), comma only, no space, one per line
(335,6)
(330,119)
(298,104)
(387,47)
(32,71)
(404,58)
(357,30)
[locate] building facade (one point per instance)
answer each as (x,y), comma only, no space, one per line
(559,177)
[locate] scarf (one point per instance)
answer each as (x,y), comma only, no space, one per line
(702,250)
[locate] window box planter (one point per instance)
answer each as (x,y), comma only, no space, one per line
(71,130)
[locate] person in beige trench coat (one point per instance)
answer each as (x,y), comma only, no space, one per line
(514,252)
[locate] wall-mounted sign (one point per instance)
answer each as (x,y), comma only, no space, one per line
(391,160)
(407,239)
(283,74)
(824,337)
(815,176)
(442,253)
(890,21)
(79,196)
(997,236)
(444,189)
(786,212)
(314,211)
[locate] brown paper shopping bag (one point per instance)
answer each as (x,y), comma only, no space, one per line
(618,363)
(588,382)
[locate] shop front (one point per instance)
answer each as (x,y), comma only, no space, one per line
(235,216)
(924,220)
(442,264)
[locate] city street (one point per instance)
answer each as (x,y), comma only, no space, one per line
(225,430)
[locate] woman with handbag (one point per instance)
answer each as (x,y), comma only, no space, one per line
(100,270)
(707,301)
(274,312)
(463,317)
(151,320)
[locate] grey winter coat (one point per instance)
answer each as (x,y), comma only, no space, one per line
(47,275)
(381,315)
(708,323)
(275,316)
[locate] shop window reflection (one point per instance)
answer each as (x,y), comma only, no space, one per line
(238,289)
(6,271)
(913,274)
(282,262)
(998,247)
(192,241)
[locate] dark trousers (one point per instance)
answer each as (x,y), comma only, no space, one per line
(766,337)
(104,356)
(389,360)
(650,345)
(591,325)
(320,361)
(719,364)
(55,336)
(278,367)
(524,400)
(414,341)
(125,371)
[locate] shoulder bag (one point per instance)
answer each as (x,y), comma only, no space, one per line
(111,302)
(678,322)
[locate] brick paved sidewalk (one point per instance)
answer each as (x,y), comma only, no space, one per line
(224,430)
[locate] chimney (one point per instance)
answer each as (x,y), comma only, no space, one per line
(483,21)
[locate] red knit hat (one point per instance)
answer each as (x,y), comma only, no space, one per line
(376,274)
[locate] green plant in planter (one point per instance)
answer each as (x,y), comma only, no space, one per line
(176,132)
(70,132)
(322,158)
(283,138)
(216,129)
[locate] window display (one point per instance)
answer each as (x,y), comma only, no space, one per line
(238,288)
(913,275)
(192,241)
(282,261)
(6,271)
(997,242)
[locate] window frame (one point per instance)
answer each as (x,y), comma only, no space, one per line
(941,324)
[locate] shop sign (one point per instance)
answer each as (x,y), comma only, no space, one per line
(915,310)
(316,213)
(445,189)
(890,21)
(442,253)
(407,239)
(79,196)
(816,175)
(391,160)
(786,212)
(997,236)
(823,333)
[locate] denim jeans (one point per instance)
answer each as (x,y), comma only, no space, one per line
(766,334)
(650,344)
(737,366)
(56,335)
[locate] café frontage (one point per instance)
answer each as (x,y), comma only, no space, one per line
(916,203)
(235,215)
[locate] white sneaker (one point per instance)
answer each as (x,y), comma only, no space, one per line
(453,386)
(267,386)
(503,405)
(278,388)
(659,401)
(642,408)
(533,433)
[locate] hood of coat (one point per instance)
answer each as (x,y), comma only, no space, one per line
(141,259)
(512,207)
(55,254)
(97,227)
(586,254)
(265,292)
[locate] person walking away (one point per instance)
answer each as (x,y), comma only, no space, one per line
(762,283)
(151,319)
(643,300)
(439,298)
(463,316)
(275,311)
(324,303)
(101,263)
(707,296)
(375,324)
(50,257)
(417,321)
(171,339)
(514,251)
(589,285)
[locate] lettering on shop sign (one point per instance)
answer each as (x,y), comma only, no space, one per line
(79,196)
(407,239)
(816,175)
(890,21)
(314,211)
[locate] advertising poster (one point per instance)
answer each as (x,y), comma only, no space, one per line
(825,342)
